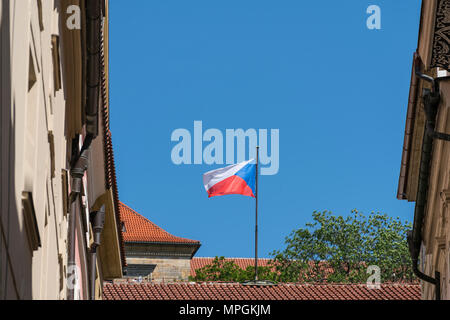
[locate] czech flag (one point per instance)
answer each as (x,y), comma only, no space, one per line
(235,179)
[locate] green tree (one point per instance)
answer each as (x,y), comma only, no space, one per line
(218,270)
(330,249)
(337,249)
(223,270)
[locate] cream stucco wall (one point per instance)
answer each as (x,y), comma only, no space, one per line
(33,149)
(38,120)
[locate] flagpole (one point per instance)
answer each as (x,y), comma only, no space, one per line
(256,215)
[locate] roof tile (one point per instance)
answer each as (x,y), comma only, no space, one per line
(140,229)
(237,291)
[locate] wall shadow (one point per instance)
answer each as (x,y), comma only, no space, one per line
(15,255)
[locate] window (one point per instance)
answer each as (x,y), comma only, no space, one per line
(29,217)
(65,191)
(56,63)
(140,270)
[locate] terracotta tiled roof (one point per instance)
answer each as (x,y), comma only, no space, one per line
(243,263)
(110,168)
(236,291)
(140,229)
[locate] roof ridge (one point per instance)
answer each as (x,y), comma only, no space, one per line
(140,216)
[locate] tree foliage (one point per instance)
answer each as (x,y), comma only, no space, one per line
(337,249)
(330,249)
(227,270)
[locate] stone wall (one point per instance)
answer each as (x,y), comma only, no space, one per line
(168,269)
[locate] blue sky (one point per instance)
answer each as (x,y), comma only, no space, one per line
(336,90)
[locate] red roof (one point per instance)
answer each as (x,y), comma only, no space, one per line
(140,229)
(237,291)
(243,263)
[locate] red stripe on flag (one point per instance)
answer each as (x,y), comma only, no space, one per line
(231,185)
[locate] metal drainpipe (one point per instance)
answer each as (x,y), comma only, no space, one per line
(431,100)
(77,173)
(94,16)
(97,221)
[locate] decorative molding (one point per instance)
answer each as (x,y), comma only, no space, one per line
(440,253)
(163,255)
(441,37)
(440,241)
(445,196)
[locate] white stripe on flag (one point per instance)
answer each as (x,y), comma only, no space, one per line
(215,176)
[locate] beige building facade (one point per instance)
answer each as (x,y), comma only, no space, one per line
(60,226)
(425,167)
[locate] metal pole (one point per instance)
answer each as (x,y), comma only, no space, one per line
(256,215)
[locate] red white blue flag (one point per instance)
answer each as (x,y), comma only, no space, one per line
(235,179)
